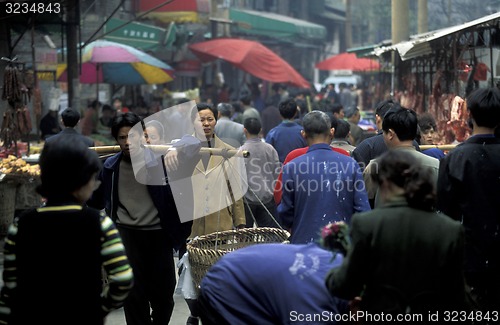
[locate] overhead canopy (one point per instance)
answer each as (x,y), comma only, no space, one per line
(138,35)
(250,56)
(179,11)
(363,51)
(274,25)
(421,44)
(332,16)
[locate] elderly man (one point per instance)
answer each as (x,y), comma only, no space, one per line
(229,131)
(353,117)
(321,186)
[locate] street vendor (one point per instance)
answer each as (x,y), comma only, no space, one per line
(49,125)
(208,169)
(147,220)
(208,180)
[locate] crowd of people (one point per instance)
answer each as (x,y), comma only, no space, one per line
(424,224)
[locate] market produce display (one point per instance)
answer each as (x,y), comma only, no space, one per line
(17,166)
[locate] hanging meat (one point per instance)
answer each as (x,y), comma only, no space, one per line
(9,132)
(23,121)
(16,90)
(458,119)
(12,84)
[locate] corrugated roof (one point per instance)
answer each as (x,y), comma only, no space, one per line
(419,45)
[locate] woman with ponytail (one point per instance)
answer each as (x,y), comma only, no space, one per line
(403,256)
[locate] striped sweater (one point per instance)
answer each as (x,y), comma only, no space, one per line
(53,261)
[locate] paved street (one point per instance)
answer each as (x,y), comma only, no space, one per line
(117,317)
(179,317)
(181,313)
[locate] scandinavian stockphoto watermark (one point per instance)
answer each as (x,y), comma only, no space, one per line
(208,180)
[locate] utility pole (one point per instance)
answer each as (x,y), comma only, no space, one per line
(400,21)
(449,13)
(72,24)
(400,31)
(423,24)
(4,51)
(348,24)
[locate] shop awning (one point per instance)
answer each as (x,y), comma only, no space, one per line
(369,50)
(362,50)
(138,35)
(179,11)
(274,25)
(332,16)
(420,44)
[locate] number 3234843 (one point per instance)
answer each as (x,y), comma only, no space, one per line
(475,316)
(13,8)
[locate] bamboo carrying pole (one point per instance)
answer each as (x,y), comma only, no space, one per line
(442,146)
(231,152)
(163,149)
(106,149)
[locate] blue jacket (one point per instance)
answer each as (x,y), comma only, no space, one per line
(319,187)
(286,137)
(270,284)
(107,197)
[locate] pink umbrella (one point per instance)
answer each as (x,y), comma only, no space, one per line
(348,61)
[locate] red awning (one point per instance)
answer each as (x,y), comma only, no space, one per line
(250,56)
(180,11)
(176,5)
(348,61)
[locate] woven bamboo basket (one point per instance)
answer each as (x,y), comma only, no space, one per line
(204,251)
(7,205)
(26,195)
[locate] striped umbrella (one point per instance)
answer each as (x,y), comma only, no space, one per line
(115,63)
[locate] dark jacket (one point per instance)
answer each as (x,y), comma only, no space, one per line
(49,125)
(402,257)
(372,148)
(469,191)
(64,249)
(107,197)
(70,132)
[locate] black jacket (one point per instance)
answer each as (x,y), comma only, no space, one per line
(70,132)
(469,191)
(107,197)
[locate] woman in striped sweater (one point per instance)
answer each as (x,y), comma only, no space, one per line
(54,255)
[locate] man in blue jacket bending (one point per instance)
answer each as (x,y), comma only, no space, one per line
(270,284)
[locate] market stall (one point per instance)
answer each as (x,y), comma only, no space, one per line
(18,182)
(18,178)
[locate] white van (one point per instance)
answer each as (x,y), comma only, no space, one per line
(352,79)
